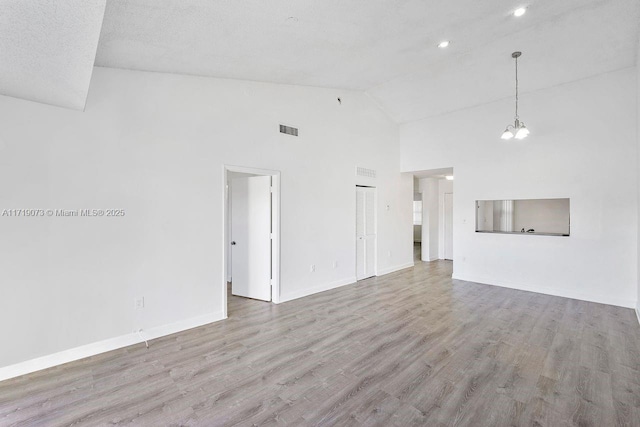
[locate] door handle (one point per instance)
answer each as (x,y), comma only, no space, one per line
(233,243)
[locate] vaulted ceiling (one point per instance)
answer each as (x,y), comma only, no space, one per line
(387,49)
(48,48)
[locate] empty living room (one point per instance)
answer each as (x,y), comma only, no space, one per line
(319,213)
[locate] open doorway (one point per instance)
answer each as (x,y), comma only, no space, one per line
(251,221)
(433,215)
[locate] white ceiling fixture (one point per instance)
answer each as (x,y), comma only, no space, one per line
(518,129)
(443,44)
(520,11)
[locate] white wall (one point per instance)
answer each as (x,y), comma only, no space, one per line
(543,215)
(485,219)
(581,147)
(154,145)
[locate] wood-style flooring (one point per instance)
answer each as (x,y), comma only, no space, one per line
(410,348)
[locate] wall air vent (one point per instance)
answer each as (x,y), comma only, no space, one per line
(289,130)
(368,173)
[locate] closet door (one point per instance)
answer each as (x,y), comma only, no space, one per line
(365,232)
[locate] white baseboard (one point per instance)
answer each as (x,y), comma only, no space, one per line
(325,287)
(92,349)
(395,268)
(602,299)
(338,283)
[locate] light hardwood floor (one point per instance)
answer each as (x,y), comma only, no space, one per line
(408,348)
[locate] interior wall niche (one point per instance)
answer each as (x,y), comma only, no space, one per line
(549,217)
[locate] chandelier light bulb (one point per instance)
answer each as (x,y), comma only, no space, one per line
(523,132)
(507,134)
(519,11)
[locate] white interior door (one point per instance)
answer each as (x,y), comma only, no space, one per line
(251,237)
(448,226)
(365,232)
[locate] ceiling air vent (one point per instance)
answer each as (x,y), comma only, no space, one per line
(289,130)
(368,173)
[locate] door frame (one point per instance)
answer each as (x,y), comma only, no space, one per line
(275,229)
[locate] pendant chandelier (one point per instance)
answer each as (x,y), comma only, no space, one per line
(517,129)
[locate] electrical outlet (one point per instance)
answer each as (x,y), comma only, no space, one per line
(138,303)
(313,268)
(389,254)
(335,264)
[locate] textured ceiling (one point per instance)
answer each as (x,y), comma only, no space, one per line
(387,48)
(558,47)
(48,49)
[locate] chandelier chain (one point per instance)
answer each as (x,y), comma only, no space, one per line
(516,130)
(516,88)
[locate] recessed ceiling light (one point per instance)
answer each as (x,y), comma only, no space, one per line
(520,11)
(443,44)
